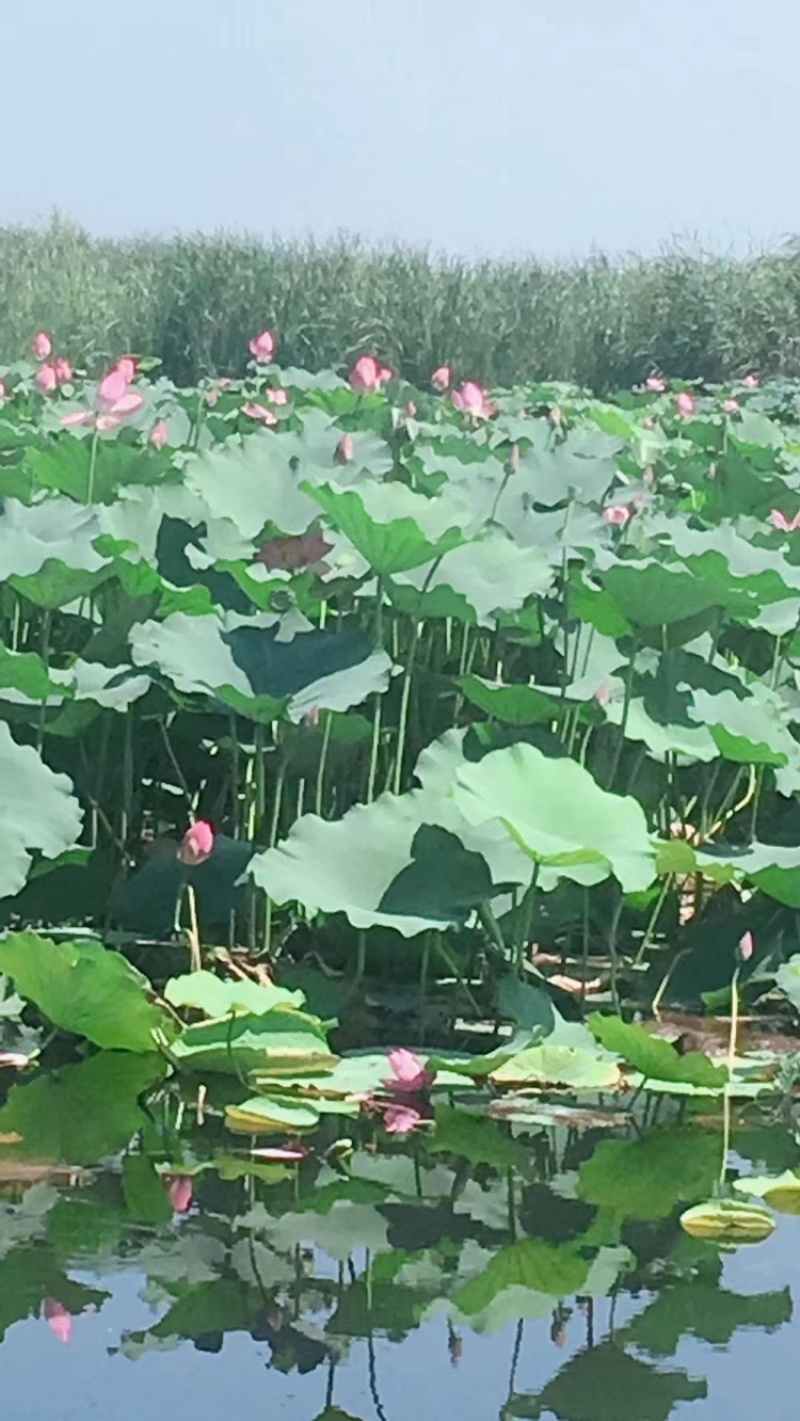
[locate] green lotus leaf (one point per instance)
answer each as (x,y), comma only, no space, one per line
(37,811)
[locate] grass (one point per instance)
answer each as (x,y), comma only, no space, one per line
(189,299)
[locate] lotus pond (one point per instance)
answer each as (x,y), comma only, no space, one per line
(399,890)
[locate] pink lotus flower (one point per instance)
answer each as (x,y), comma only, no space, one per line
(159,435)
(746,947)
(180,1190)
(63,369)
(42,345)
(259,412)
(472,399)
(278,397)
(401,1119)
(617,515)
(345,451)
(441,379)
(368,376)
(685,404)
(731,406)
(113,403)
(58,1319)
(3,390)
(197,844)
(782,523)
(751,381)
(656,384)
(409,1076)
(46,379)
(126,367)
(212,397)
(603,695)
(263,347)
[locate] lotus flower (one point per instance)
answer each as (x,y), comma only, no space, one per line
(345,450)
(42,345)
(368,376)
(278,397)
(58,1319)
(159,435)
(617,515)
(731,406)
(126,367)
(263,347)
(656,384)
(751,381)
(409,1076)
(603,695)
(259,412)
(180,1190)
(441,379)
(685,404)
(782,523)
(46,379)
(401,1119)
(197,844)
(746,947)
(63,369)
(3,390)
(113,403)
(472,399)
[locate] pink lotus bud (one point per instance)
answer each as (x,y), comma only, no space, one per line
(112,387)
(212,397)
(603,695)
(262,347)
(3,390)
(345,450)
(411,409)
(746,947)
(159,435)
(63,369)
(368,375)
(400,1119)
(656,384)
(278,397)
(42,345)
(685,404)
(751,381)
(409,1075)
(259,412)
(617,515)
(180,1191)
(46,379)
(441,379)
(127,368)
(197,844)
(58,1319)
(731,406)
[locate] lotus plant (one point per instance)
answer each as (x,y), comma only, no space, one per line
(263,347)
(473,400)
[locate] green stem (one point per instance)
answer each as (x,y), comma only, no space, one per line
(92,467)
(323,760)
(623,722)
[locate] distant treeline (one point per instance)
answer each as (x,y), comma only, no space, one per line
(195,300)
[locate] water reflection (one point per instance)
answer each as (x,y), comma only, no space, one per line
(479,1269)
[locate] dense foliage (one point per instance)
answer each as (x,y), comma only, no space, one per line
(601,323)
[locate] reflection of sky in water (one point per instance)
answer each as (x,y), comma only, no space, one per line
(415,1379)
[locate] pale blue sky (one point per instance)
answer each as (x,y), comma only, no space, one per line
(479,126)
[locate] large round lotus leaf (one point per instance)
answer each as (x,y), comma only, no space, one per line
(558,813)
(722,557)
(582,468)
(491,573)
(532,1263)
(517,705)
(781,1191)
(282,1040)
(655,1058)
(649,594)
(407,862)
(774,868)
(37,811)
(564,1067)
(645,1179)
(691,740)
(726,1221)
(258,663)
(56,530)
(208,993)
(85,989)
(750,731)
(392,527)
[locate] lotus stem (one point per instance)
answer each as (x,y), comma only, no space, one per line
(323,760)
(195,949)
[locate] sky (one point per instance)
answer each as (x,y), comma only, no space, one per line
(478,127)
